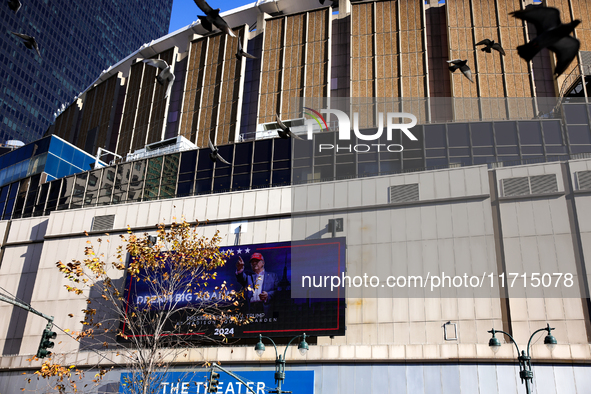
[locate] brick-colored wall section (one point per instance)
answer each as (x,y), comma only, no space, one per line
(293,71)
(387,75)
(516,69)
(193,88)
(65,123)
(270,87)
(129,112)
(230,86)
(159,103)
(489,67)
(461,46)
(362,31)
(98,106)
(144,108)
(208,111)
(362,61)
(316,84)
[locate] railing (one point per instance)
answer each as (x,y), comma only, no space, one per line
(572,77)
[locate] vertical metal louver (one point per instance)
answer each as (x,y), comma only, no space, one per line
(543,184)
(538,184)
(404,193)
(585,58)
(103,223)
(584,180)
(515,186)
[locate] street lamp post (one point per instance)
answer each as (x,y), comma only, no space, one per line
(525,371)
(280,361)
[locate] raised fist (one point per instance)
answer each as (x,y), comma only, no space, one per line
(239,264)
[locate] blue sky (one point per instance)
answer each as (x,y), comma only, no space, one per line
(184,12)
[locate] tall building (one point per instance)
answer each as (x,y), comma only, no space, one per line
(77,40)
(473,219)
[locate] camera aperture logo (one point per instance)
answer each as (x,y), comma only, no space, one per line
(344,133)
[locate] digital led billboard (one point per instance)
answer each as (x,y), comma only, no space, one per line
(265,272)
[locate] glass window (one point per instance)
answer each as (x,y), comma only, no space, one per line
(153,178)
(20,198)
(458,134)
(106,189)
(530,133)
(31,195)
(188,161)
(52,198)
(91,195)
(344,171)
(79,189)
(42,198)
(575,114)
(66,192)
(482,134)
(507,150)
(282,177)
(243,155)
(134,191)
(262,151)
(579,134)
(488,151)
(434,136)
(506,133)
(281,149)
(10,202)
(552,133)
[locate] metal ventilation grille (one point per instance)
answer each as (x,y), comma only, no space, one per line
(103,223)
(404,193)
(515,186)
(541,184)
(584,180)
(586,57)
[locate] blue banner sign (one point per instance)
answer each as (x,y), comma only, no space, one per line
(298,382)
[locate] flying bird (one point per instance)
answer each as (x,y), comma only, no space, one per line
(14,5)
(551,34)
(241,52)
(212,17)
(490,44)
(461,64)
(28,41)
(284,131)
(165,76)
(214,155)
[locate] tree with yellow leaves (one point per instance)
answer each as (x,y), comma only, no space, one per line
(157,299)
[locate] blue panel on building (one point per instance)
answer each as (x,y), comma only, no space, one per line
(301,382)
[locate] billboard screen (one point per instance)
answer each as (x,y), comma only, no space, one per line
(267,270)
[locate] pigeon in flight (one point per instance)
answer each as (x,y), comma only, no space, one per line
(214,155)
(166,76)
(461,64)
(241,52)
(212,17)
(28,41)
(490,44)
(14,5)
(551,34)
(284,131)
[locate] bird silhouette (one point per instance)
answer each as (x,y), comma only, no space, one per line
(243,53)
(212,18)
(214,155)
(29,41)
(461,64)
(14,5)
(284,131)
(165,76)
(551,34)
(490,44)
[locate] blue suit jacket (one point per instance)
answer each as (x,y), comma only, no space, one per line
(270,283)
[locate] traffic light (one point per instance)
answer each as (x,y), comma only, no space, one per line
(212,386)
(46,343)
